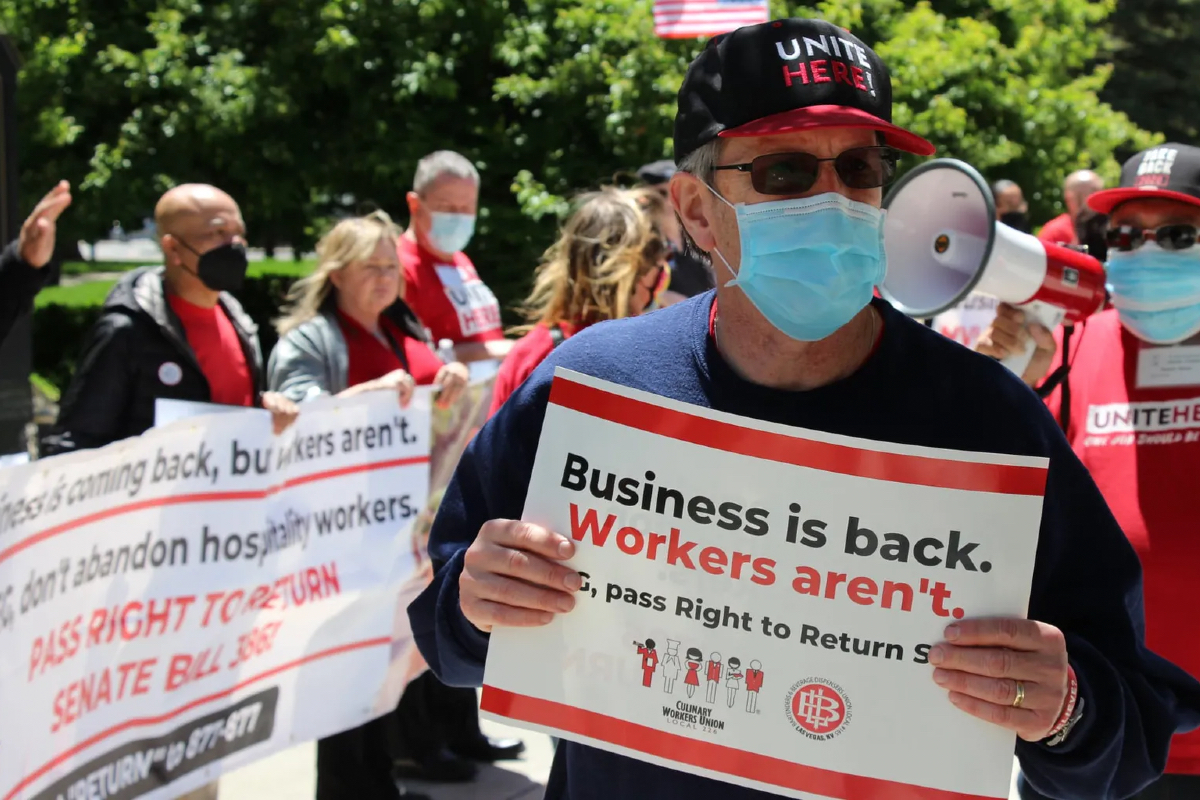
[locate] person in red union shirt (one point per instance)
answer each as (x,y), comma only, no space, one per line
(442,287)
(609,262)
(1130,402)
(346,331)
(1077,188)
(174,331)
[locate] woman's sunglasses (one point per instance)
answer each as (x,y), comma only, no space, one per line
(1169,237)
(796,173)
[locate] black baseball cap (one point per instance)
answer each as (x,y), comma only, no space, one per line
(1168,172)
(784,76)
(656,172)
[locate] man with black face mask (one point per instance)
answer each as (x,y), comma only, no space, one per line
(1011,207)
(173,331)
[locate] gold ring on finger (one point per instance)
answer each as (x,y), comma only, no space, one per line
(1020,695)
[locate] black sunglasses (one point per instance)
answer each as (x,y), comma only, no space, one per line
(1169,237)
(796,173)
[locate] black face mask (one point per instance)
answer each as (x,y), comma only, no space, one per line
(222,269)
(689,275)
(1090,228)
(1016,219)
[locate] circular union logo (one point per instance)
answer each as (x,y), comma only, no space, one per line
(818,708)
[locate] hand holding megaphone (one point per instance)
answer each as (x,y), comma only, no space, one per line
(943,242)
(1011,334)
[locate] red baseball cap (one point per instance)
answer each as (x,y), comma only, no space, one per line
(1167,172)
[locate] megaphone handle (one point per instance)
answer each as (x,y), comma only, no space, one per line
(1036,311)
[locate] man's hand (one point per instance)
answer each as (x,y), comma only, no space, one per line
(36,243)
(453,379)
(283,411)
(512,576)
(1008,335)
(982,661)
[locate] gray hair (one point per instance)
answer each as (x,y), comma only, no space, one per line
(702,163)
(443,162)
(1003,185)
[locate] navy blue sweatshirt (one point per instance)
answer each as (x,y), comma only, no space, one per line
(917,388)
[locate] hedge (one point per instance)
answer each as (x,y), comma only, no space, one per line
(59,329)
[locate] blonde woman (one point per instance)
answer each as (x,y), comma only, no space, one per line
(609,262)
(347,330)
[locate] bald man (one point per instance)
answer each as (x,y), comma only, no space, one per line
(173,331)
(1077,188)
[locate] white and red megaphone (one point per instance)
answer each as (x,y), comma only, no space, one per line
(943,242)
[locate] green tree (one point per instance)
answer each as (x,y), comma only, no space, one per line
(308,108)
(1009,86)
(123,99)
(1156,57)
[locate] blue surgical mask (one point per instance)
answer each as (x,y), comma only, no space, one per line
(1157,292)
(809,265)
(450,233)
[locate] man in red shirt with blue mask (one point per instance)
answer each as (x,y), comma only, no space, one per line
(441,284)
(1130,402)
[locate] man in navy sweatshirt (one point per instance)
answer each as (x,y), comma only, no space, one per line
(784,142)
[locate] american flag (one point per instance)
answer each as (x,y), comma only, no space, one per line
(684,19)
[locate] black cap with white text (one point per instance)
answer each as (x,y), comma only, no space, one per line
(785,76)
(1169,171)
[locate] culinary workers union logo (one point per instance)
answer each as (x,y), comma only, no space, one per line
(818,708)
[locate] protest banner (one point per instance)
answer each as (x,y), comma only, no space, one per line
(967,321)
(453,429)
(178,604)
(760,600)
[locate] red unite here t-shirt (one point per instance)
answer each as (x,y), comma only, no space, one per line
(1060,230)
(218,350)
(1141,444)
(449,299)
(529,351)
(371,358)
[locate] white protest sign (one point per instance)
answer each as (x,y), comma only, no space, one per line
(167,410)
(187,601)
(760,600)
(967,321)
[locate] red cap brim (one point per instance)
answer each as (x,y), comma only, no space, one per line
(814,117)
(1106,200)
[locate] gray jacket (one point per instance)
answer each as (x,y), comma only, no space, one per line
(312,358)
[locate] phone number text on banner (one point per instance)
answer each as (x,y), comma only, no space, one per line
(195,598)
(760,600)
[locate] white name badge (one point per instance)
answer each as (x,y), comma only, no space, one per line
(1168,366)
(477,308)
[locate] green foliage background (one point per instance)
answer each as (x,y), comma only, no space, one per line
(303,109)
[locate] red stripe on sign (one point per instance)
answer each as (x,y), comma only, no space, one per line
(199,497)
(842,459)
(709,755)
(139,722)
